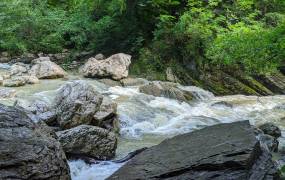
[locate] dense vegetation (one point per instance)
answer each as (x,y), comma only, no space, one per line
(159,33)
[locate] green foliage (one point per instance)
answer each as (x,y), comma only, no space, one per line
(158,33)
(258,50)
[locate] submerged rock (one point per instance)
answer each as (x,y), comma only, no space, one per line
(166,89)
(223,151)
(43,68)
(134,81)
(27,152)
(7,93)
(115,67)
(89,141)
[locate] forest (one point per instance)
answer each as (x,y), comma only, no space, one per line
(249,34)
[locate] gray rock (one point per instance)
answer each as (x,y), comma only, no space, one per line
(79,103)
(27,152)
(166,89)
(19,69)
(223,151)
(271,142)
(43,68)
(88,140)
(271,129)
(115,67)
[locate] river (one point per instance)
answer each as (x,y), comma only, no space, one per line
(146,120)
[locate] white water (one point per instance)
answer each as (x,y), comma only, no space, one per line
(146,120)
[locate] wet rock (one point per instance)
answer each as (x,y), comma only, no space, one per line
(166,89)
(110,82)
(271,142)
(115,67)
(88,140)
(134,81)
(222,104)
(223,151)
(79,103)
(19,69)
(7,93)
(43,68)
(15,81)
(271,129)
(26,152)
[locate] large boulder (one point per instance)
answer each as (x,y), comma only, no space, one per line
(224,151)
(91,141)
(166,89)
(27,152)
(43,68)
(79,103)
(115,67)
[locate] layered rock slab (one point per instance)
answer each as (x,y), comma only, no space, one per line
(26,151)
(224,151)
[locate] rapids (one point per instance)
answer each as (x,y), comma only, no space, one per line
(146,120)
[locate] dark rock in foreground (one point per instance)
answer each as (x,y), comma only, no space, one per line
(224,151)
(28,152)
(88,141)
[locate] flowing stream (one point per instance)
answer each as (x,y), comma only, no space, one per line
(146,120)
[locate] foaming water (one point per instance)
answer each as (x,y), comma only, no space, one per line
(147,120)
(82,171)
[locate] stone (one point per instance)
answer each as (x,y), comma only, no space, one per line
(15,81)
(166,89)
(270,129)
(19,69)
(223,151)
(106,115)
(134,81)
(7,93)
(27,152)
(100,57)
(88,141)
(43,68)
(32,80)
(115,67)
(271,142)
(78,103)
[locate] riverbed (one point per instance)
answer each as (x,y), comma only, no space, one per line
(147,120)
